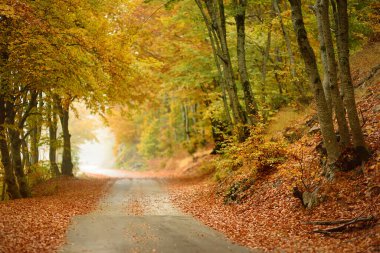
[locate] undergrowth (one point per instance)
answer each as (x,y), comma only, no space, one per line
(240,164)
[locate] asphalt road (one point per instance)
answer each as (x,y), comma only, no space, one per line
(137,216)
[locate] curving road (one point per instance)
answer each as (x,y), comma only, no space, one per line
(137,216)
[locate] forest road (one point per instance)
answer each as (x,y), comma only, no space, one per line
(137,216)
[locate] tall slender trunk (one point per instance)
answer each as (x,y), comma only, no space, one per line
(286,38)
(250,103)
(193,113)
(35,134)
(264,65)
(67,164)
(277,68)
(214,46)
(220,22)
(186,121)
(322,49)
(10,179)
(52,123)
(323,19)
(25,151)
(297,84)
(325,118)
(346,79)
(33,122)
(225,104)
(217,21)
(34,144)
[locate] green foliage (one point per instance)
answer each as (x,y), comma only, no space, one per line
(149,145)
(277,101)
(364,21)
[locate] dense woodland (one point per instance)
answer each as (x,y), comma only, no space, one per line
(173,75)
(212,77)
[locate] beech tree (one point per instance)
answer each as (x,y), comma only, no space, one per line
(324,114)
(250,103)
(328,95)
(215,20)
(342,26)
(38,81)
(330,82)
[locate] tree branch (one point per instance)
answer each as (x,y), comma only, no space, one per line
(343,226)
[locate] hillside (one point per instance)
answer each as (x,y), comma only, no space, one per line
(268,216)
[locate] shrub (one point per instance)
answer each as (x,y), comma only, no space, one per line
(39,173)
(240,164)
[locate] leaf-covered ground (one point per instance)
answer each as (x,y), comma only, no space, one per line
(271,218)
(39,224)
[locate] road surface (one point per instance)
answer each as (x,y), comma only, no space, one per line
(137,216)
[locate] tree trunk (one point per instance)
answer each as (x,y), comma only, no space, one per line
(25,151)
(325,118)
(67,164)
(217,23)
(35,134)
(286,38)
(15,140)
(193,113)
(219,129)
(52,123)
(298,84)
(214,46)
(322,48)
(216,11)
(264,65)
(15,146)
(186,121)
(34,144)
(346,80)
(250,103)
(323,19)
(225,104)
(277,62)
(10,179)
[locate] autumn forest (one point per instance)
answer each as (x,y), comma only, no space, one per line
(189,126)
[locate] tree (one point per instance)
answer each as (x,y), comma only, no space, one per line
(324,115)
(52,122)
(250,103)
(10,179)
(342,25)
(332,93)
(216,21)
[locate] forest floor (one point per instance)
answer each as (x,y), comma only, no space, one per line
(271,218)
(39,224)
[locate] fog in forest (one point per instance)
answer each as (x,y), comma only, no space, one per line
(96,155)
